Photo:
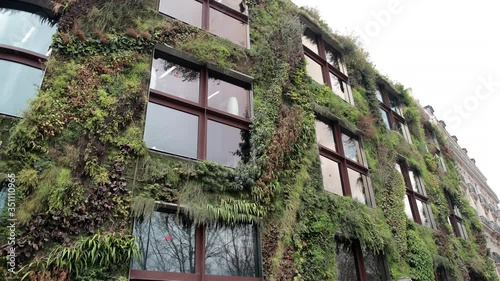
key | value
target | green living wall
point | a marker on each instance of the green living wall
(83, 171)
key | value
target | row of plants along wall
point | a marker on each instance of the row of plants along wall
(83, 171)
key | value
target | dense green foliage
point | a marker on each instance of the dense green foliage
(83, 169)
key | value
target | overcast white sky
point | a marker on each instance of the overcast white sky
(446, 51)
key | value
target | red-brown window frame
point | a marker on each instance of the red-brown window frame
(385, 105)
(200, 109)
(413, 195)
(454, 219)
(205, 14)
(199, 274)
(326, 68)
(340, 158)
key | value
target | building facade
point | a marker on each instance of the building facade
(476, 190)
(216, 140)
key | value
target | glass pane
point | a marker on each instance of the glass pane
(314, 70)
(171, 131)
(223, 143)
(408, 210)
(18, 84)
(346, 263)
(456, 211)
(378, 94)
(352, 148)
(228, 97)
(324, 135)
(176, 80)
(398, 168)
(373, 267)
(227, 27)
(3, 197)
(416, 183)
(333, 57)
(357, 183)
(425, 214)
(385, 118)
(309, 40)
(237, 5)
(231, 251)
(463, 230)
(338, 87)
(331, 176)
(188, 11)
(395, 104)
(165, 244)
(25, 30)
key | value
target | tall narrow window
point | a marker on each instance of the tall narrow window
(455, 219)
(392, 112)
(342, 162)
(417, 205)
(224, 18)
(355, 264)
(197, 113)
(325, 64)
(25, 39)
(172, 248)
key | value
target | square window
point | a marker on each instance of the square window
(172, 131)
(357, 181)
(324, 135)
(309, 40)
(333, 57)
(228, 27)
(331, 176)
(378, 94)
(338, 87)
(231, 251)
(223, 143)
(188, 11)
(228, 97)
(314, 70)
(352, 148)
(425, 213)
(165, 243)
(385, 118)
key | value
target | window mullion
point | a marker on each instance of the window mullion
(199, 254)
(202, 132)
(205, 19)
(360, 265)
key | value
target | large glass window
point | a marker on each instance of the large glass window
(342, 166)
(225, 18)
(417, 206)
(172, 247)
(196, 113)
(392, 112)
(353, 264)
(25, 40)
(325, 65)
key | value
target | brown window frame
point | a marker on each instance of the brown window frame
(455, 219)
(212, 4)
(199, 274)
(201, 109)
(327, 68)
(393, 116)
(344, 162)
(413, 195)
(356, 250)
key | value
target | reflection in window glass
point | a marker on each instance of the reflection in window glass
(171, 131)
(231, 251)
(228, 27)
(385, 118)
(176, 80)
(333, 57)
(346, 263)
(228, 97)
(373, 267)
(379, 96)
(324, 135)
(309, 40)
(314, 70)
(223, 143)
(18, 84)
(425, 215)
(408, 211)
(25, 30)
(338, 87)
(357, 183)
(416, 183)
(331, 176)
(165, 244)
(237, 5)
(188, 11)
(351, 148)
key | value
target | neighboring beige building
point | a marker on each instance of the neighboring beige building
(475, 188)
